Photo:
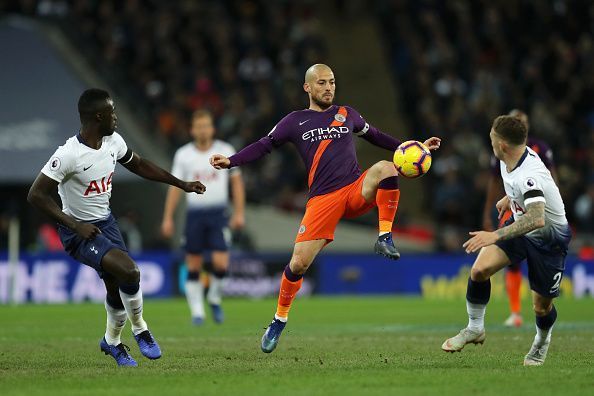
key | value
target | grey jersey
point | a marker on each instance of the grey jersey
(529, 182)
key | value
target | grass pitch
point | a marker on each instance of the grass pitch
(331, 346)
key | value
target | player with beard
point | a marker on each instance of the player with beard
(82, 170)
(323, 136)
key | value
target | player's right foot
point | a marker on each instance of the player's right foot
(197, 320)
(217, 313)
(385, 247)
(147, 345)
(514, 320)
(272, 334)
(537, 354)
(465, 336)
(118, 352)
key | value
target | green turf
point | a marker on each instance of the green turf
(332, 346)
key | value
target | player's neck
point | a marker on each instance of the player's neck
(514, 157)
(203, 145)
(315, 107)
(91, 138)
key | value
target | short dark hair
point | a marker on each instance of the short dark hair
(510, 129)
(91, 102)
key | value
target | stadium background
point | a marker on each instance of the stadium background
(412, 68)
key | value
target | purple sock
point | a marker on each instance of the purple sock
(290, 275)
(389, 183)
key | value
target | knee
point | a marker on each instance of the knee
(542, 309)
(479, 274)
(387, 169)
(299, 264)
(131, 273)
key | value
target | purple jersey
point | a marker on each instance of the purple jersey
(324, 139)
(538, 146)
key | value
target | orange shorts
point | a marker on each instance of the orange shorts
(323, 212)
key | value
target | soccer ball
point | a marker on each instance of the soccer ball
(412, 159)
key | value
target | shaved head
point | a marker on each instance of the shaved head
(316, 70)
(320, 86)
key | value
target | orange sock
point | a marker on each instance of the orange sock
(513, 282)
(286, 295)
(387, 203)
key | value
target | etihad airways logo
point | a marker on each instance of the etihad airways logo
(313, 135)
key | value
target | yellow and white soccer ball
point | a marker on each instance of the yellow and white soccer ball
(412, 159)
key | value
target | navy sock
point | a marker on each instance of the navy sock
(290, 275)
(193, 275)
(547, 321)
(478, 292)
(389, 183)
(219, 273)
(130, 288)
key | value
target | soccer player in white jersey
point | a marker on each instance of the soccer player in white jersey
(538, 232)
(82, 170)
(207, 223)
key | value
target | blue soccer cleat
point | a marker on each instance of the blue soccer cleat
(217, 313)
(385, 247)
(147, 345)
(272, 334)
(119, 353)
(197, 320)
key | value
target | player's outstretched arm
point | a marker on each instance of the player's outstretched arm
(219, 161)
(533, 219)
(40, 197)
(145, 168)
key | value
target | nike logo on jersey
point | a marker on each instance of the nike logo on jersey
(87, 167)
(303, 122)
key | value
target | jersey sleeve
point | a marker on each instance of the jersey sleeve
(370, 133)
(123, 153)
(60, 165)
(531, 188)
(229, 151)
(177, 168)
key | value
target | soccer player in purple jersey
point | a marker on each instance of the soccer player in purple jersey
(323, 136)
(513, 273)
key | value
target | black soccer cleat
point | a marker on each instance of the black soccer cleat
(385, 247)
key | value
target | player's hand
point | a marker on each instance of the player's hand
(86, 230)
(479, 240)
(502, 206)
(432, 143)
(167, 227)
(219, 161)
(195, 187)
(237, 221)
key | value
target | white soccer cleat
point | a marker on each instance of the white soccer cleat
(514, 320)
(465, 336)
(537, 354)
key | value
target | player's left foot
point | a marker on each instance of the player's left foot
(272, 334)
(465, 336)
(385, 247)
(118, 352)
(514, 320)
(537, 354)
(147, 345)
(217, 313)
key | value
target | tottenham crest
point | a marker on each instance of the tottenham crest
(339, 117)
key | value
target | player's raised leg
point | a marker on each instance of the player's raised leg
(292, 278)
(111, 343)
(381, 185)
(489, 260)
(194, 288)
(220, 262)
(117, 263)
(546, 315)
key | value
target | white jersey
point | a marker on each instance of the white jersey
(85, 175)
(529, 182)
(190, 163)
